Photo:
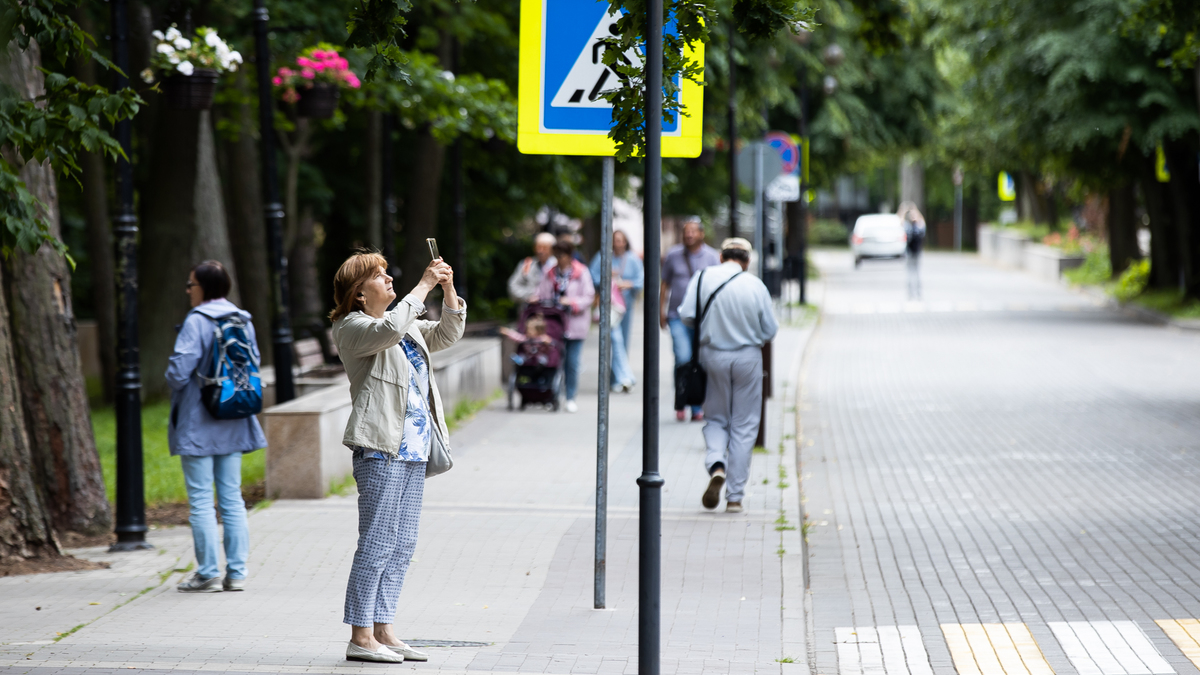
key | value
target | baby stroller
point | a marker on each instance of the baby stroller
(538, 376)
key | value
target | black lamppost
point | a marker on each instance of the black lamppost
(650, 482)
(733, 172)
(281, 325)
(131, 505)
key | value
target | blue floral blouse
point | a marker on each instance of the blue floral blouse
(418, 420)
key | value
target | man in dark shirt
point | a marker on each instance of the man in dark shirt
(679, 265)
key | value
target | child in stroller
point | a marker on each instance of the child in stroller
(538, 376)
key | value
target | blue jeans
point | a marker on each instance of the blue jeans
(622, 373)
(627, 320)
(571, 365)
(681, 343)
(199, 473)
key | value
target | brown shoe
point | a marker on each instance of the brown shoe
(733, 507)
(712, 495)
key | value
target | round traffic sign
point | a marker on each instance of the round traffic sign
(788, 152)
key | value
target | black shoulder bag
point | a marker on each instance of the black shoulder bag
(691, 382)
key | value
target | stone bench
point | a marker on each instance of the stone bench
(1047, 262)
(305, 455)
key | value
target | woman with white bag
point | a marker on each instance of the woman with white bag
(397, 431)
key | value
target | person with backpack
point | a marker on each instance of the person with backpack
(914, 233)
(215, 393)
(730, 312)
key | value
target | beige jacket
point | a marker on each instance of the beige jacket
(379, 370)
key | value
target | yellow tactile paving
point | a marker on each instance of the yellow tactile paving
(994, 649)
(1185, 633)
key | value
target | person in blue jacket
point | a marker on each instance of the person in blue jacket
(210, 449)
(628, 273)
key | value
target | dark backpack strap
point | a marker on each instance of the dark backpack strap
(701, 314)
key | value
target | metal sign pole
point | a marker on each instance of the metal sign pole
(606, 237)
(758, 206)
(650, 482)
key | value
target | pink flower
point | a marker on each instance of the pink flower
(318, 54)
(290, 96)
(308, 73)
(318, 67)
(286, 72)
(344, 64)
(304, 61)
(277, 81)
(352, 80)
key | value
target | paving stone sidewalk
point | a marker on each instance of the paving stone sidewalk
(999, 492)
(502, 572)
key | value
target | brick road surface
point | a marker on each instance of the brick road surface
(504, 561)
(999, 478)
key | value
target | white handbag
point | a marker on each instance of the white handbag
(439, 461)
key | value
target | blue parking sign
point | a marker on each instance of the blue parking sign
(563, 77)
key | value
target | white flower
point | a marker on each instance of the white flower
(158, 35)
(449, 76)
(235, 57)
(231, 67)
(182, 43)
(173, 34)
(148, 76)
(212, 40)
(173, 57)
(164, 48)
(185, 67)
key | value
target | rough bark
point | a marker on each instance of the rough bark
(374, 176)
(1185, 202)
(302, 275)
(1122, 228)
(1164, 260)
(99, 239)
(46, 354)
(421, 213)
(183, 222)
(243, 198)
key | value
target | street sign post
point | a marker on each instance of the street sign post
(560, 110)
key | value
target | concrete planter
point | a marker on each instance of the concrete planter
(1010, 249)
(987, 242)
(1047, 262)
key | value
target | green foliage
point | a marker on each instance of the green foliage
(1095, 270)
(1170, 302)
(824, 232)
(378, 25)
(1132, 281)
(68, 118)
(163, 473)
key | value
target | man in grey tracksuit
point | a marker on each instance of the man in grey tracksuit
(739, 322)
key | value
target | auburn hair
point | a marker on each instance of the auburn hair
(356, 271)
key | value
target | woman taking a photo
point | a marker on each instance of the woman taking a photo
(210, 449)
(397, 414)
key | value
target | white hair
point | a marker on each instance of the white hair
(545, 238)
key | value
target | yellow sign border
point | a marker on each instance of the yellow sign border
(532, 141)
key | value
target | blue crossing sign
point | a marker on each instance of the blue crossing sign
(562, 77)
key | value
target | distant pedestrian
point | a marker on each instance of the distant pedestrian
(523, 283)
(914, 232)
(397, 416)
(739, 321)
(210, 449)
(569, 285)
(629, 276)
(679, 265)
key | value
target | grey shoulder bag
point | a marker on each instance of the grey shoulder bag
(440, 460)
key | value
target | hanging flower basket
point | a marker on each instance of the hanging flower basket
(314, 81)
(318, 102)
(191, 92)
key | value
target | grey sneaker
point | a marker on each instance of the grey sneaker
(198, 584)
(231, 584)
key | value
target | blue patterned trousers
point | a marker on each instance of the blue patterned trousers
(389, 513)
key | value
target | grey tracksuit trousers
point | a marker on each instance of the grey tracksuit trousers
(732, 412)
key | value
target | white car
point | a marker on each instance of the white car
(878, 235)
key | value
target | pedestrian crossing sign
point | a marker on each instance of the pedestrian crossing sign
(562, 76)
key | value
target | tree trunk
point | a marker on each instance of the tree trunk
(1122, 228)
(99, 238)
(183, 223)
(1185, 202)
(421, 217)
(25, 525)
(302, 275)
(912, 182)
(46, 353)
(247, 229)
(1164, 260)
(372, 157)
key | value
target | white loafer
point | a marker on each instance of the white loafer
(382, 655)
(408, 653)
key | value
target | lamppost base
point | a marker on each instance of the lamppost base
(131, 541)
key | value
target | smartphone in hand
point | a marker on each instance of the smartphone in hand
(433, 249)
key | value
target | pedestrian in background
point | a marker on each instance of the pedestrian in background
(628, 277)
(679, 265)
(914, 232)
(397, 415)
(738, 322)
(569, 285)
(210, 449)
(523, 283)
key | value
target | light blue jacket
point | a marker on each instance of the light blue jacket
(192, 430)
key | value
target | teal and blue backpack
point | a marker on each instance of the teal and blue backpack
(232, 389)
